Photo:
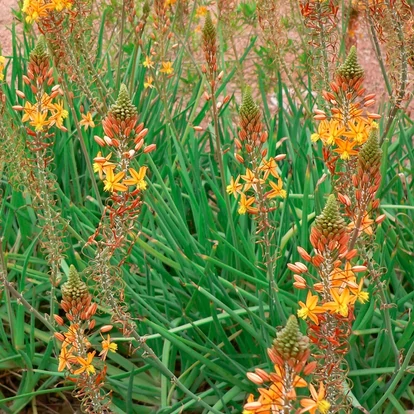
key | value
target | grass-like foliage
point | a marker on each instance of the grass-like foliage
(205, 208)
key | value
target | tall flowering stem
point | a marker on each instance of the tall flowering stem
(262, 182)
(78, 357)
(122, 143)
(342, 233)
(321, 20)
(213, 78)
(290, 357)
(43, 115)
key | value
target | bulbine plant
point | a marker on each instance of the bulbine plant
(206, 208)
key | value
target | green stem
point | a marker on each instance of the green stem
(121, 44)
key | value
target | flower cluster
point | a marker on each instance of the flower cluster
(262, 181)
(343, 133)
(77, 357)
(124, 138)
(337, 235)
(36, 10)
(290, 355)
(121, 129)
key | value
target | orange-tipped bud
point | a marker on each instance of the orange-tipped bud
(108, 140)
(344, 199)
(262, 374)
(141, 135)
(369, 103)
(264, 153)
(369, 97)
(20, 94)
(280, 157)
(59, 320)
(302, 267)
(334, 87)
(319, 117)
(92, 323)
(358, 268)
(274, 357)
(18, 107)
(318, 287)
(252, 406)
(351, 254)
(60, 337)
(300, 282)
(226, 99)
(293, 268)
(375, 203)
(150, 148)
(239, 158)
(206, 96)
(304, 254)
(139, 145)
(380, 219)
(373, 115)
(317, 260)
(198, 128)
(310, 367)
(106, 328)
(256, 379)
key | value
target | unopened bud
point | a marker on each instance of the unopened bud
(106, 328)
(60, 337)
(59, 320)
(254, 378)
(150, 148)
(20, 94)
(198, 128)
(380, 219)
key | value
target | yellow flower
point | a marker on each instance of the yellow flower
(334, 132)
(107, 346)
(322, 133)
(310, 309)
(86, 364)
(35, 10)
(148, 63)
(342, 278)
(87, 121)
(317, 402)
(59, 114)
(359, 294)
(29, 111)
(234, 187)
(39, 120)
(245, 205)
(148, 82)
(59, 5)
(357, 131)
(345, 148)
(101, 164)
(201, 11)
(340, 302)
(2, 60)
(112, 182)
(250, 179)
(167, 68)
(138, 178)
(277, 190)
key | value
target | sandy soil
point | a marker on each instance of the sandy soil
(6, 18)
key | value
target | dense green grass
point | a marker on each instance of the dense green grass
(202, 302)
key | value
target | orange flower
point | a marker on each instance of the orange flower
(112, 182)
(334, 132)
(366, 225)
(86, 364)
(345, 148)
(317, 402)
(39, 120)
(87, 121)
(107, 346)
(102, 163)
(310, 309)
(234, 187)
(148, 63)
(359, 294)
(340, 302)
(358, 131)
(277, 190)
(323, 132)
(269, 167)
(138, 178)
(245, 205)
(341, 278)
(65, 358)
(167, 68)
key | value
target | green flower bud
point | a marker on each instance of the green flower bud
(123, 108)
(350, 69)
(330, 222)
(74, 288)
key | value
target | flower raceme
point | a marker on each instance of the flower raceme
(36, 10)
